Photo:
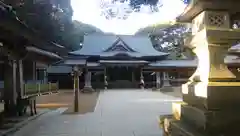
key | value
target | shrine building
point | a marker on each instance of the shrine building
(123, 61)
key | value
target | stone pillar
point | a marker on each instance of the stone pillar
(88, 79)
(166, 82)
(158, 80)
(211, 97)
(20, 81)
(88, 85)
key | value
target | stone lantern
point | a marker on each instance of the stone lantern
(211, 97)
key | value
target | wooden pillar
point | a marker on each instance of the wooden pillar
(20, 89)
(133, 76)
(20, 80)
(76, 74)
(142, 83)
(105, 78)
(10, 87)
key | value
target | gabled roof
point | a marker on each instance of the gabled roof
(106, 45)
(119, 45)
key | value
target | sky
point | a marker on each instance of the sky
(90, 12)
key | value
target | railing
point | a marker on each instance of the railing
(36, 89)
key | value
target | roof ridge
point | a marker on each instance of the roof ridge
(118, 35)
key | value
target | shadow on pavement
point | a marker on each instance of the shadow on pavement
(175, 92)
(87, 101)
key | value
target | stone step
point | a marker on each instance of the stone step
(210, 121)
(178, 128)
(207, 121)
(7, 126)
(182, 128)
(12, 120)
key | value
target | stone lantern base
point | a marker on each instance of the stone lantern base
(214, 112)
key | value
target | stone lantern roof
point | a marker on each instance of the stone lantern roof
(197, 6)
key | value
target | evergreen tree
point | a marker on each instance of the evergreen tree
(169, 37)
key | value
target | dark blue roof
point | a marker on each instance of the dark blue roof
(105, 45)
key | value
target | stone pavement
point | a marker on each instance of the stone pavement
(118, 113)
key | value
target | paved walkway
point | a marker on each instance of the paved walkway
(118, 113)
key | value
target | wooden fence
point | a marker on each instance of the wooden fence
(37, 89)
(32, 89)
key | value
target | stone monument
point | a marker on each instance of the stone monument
(212, 95)
(88, 83)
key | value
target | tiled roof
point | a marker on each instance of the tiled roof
(93, 64)
(164, 63)
(191, 63)
(75, 62)
(175, 63)
(96, 44)
(123, 61)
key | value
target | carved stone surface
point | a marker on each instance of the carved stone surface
(211, 45)
(211, 39)
(211, 19)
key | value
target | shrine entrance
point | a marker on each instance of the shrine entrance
(123, 77)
